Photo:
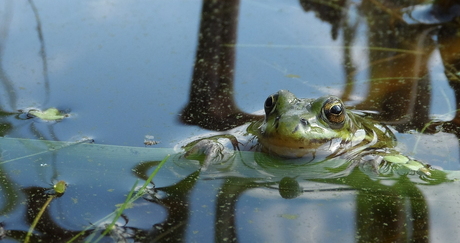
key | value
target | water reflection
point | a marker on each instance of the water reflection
(43, 56)
(448, 39)
(177, 202)
(399, 86)
(397, 213)
(9, 109)
(211, 103)
(387, 209)
(399, 89)
(51, 231)
(4, 77)
(6, 82)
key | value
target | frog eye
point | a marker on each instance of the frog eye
(334, 112)
(270, 103)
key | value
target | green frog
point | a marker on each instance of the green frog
(312, 130)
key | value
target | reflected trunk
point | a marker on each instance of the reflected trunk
(398, 55)
(211, 103)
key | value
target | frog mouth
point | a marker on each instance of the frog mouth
(295, 148)
(294, 144)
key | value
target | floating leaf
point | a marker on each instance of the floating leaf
(51, 114)
(414, 165)
(397, 159)
(292, 76)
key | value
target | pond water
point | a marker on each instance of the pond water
(166, 71)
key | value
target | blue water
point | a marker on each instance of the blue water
(122, 70)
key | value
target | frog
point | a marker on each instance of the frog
(310, 129)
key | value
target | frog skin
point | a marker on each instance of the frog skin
(296, 127)
(307, 128)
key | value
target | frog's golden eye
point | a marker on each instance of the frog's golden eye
(270, 103)
(334, 112)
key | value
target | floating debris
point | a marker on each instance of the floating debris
(148, 140)
(51, 114)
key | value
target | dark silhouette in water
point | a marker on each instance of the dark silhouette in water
(212, 104)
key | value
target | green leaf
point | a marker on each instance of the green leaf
(397, 159)
(51, 114)
(414, 165)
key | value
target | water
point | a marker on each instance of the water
(123, 72)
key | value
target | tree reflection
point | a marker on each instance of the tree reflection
(400, 85)
(449, 39)
(177, 203)
(211, 103)
(395, 213)
(388, 209)
(399, 90)
(50, 230)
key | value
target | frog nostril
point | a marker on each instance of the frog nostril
(276, 122)
(303, 121)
